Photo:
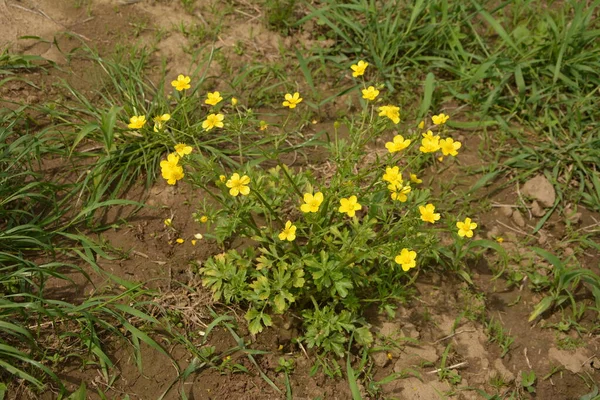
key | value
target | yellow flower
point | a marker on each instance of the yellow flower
(499, 239)
(292, 101)
(289, 232)
(234, 101)
(392, 112)
(158, 121)
(137, 122)
(198, 236)
(398, 143)
(399, 192)
(222, 178)
(168, 222)
(430, 143)
(421, 124)
(262, 125)
(180, 240)
(183, 149)
(370, 93)
(312, 202)
(213, 120)
(349, 206)
(413, 178)
(213, 98)
(193, 242)
(393, 175)
(428, 213)
(204, 219)
(171, 170)
(237, 185)
(440, 119)
(182, 83)
(449, 147)
(406, 259)
(466, 228)
(359, 68)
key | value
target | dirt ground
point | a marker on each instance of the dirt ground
(444, 312)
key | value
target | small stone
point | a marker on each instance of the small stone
(543, 237)
(540, 189)
(493, 233)
(380, 359)
(575, 218)
(499, 367)
(537, 210)
(518, 218)
(506, 211)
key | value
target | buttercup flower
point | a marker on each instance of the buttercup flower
(398, 143)
(428, 213)
(413, 178)
(370, 93)
(137, 122)
(204, 219)
(466, 228)
(159, 121)
(393, 175)
(359, 68)
(289, 232)
(292, 101)
(213, 98)
(430, 143)
(234, 101)
(168, 222)
(262, 125)
(392, 112)
(407, 259)
(171, 170)
(213, 120)
(222, 178)
(421, 124)
(399, 192)
(237, 185)
(440, 119)
(180, 240)
(349, 206)
(449, 147)
(181, 83)
(311, 202)
(183, 149)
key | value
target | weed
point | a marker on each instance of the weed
(528, 380)
(497, 334)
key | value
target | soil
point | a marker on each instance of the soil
(445, 316)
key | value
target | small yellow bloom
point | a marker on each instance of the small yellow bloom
(213, 98)
(311, 202)
(137, 122)
(428, 213)
(180, 240)
(499, 239)
(389, 355)
(234, 101)
(430, 143)
(359, 68)
(398, 143)
(399, 192)
(168, 222)
(222, 178)
(171, 170)
(237, 185)
(292, 101)
(413, 178)
(440, 119)
(289, 232)
(370, 93)
(262, 125)
(182, 83)
(204, 219)
(392, 112)
(212, 121)
(193, 241)
(466, 228)
(449, 147)
(183, 149)
(160, 120)
(393, 175)
(349, 206)
(407, 259)
(421, 124)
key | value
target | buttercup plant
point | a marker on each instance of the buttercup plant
(325, 247)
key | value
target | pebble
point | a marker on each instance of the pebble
(518, 218)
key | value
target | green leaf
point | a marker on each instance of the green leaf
(427, 95)
(541, 307)
(79, 394)
(342, 286)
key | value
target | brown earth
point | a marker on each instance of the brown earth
(445, 311)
